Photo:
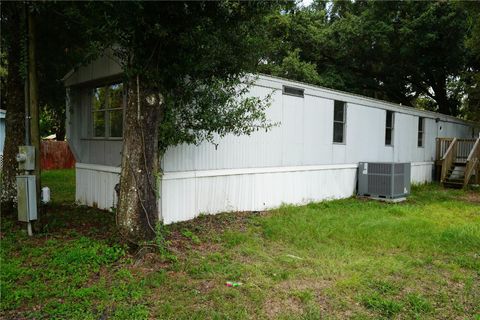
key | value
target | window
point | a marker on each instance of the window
(339, 121)
(107, 111)
(389, 128)
(421, 123)
(291, 91)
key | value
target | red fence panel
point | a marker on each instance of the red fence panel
(56, 155)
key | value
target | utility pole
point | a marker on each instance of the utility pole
(33, 96)
(28, 184)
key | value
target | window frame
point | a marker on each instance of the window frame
(343, 122)
(391, 128)
(107, 110)
(421, 131)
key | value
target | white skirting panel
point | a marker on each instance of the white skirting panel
(421, 172)
(95, 185)
(185, 195)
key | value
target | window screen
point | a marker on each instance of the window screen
(339, 121)
(389, 128)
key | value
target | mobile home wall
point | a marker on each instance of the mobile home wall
(295, 162)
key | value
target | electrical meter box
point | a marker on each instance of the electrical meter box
(27, 198)
(26, 158)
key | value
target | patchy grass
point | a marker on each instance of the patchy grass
(61, 183)
(341, 259)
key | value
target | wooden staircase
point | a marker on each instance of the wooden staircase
(460, 161)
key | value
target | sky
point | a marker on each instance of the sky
(305, 3)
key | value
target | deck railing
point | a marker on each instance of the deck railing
(473, 162)
(464, 146)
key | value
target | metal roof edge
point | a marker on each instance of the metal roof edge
(382, 103)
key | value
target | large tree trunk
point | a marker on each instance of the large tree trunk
(445, 104)
(14, 104)
(137, 206)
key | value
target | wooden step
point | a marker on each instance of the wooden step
(454, 185)
(455, 180)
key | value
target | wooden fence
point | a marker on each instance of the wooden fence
(56, 155)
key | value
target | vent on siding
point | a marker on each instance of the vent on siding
(292, 91)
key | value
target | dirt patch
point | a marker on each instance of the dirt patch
(277, 306)
(472, 197)
(286, 297)
(205, 229)
(218, 223)
(304, 284)
(205, 286)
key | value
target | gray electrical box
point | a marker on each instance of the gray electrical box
(384, 180)
(26, 158)
(26, 198)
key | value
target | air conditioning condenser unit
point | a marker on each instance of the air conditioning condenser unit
(384, 180)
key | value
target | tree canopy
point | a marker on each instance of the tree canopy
(194, 53)
(185, 72)
(421, 54)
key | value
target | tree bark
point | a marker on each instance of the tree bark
(137, 211)
(14, 104)
(445, 104)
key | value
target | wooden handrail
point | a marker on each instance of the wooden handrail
(448, 159)
(450, 148)
(474, 150)
(472, 162)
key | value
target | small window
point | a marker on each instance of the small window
(389, 128)
(107, 111)
(292, 91)
(421, 123)
(339, 121)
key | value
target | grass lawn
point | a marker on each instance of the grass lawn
(340, 259)
(62, 184)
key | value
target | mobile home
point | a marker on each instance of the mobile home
(312, 155)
